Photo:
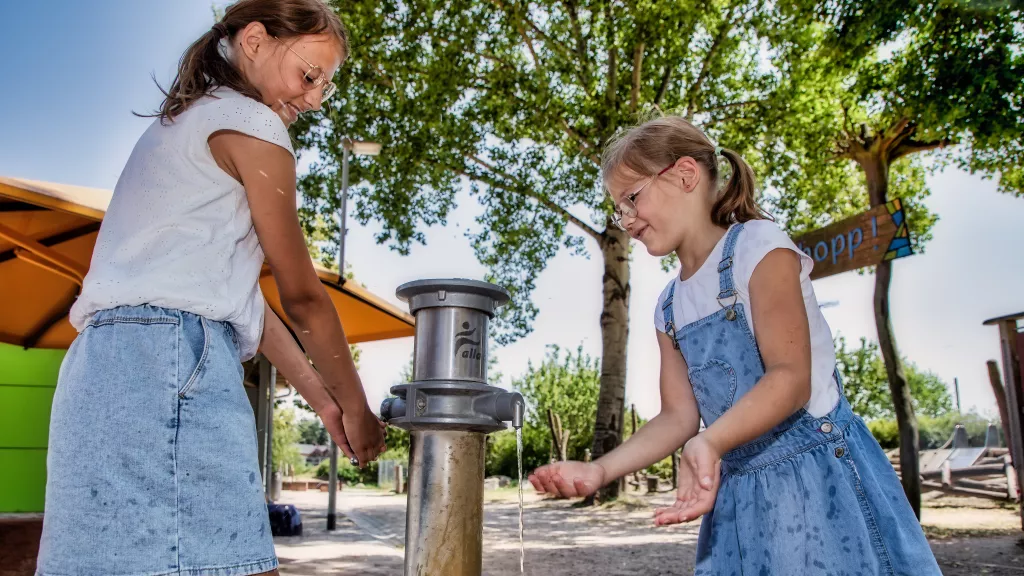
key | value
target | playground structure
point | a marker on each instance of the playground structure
(957, 468)
(1010, 392)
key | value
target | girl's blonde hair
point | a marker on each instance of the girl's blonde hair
(649, 148)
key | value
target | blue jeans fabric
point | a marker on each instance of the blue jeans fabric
(810, 496)
(152, 465)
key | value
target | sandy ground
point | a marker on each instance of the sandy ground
(970, 537)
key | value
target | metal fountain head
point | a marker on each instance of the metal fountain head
(449, 389)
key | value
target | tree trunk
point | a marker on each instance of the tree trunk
(614, 334)
(876, 169)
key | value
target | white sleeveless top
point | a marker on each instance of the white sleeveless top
(697, 297)
(178, 232)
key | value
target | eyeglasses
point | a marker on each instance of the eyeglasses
(626, 206)
(314, 77)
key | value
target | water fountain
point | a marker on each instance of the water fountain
(449, 409)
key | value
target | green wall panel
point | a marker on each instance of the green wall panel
(27, 382)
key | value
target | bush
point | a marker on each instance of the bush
(501, 458)
(934, 432)
(867, 385)
(302, 469)
(348, 473)
(282, 445)
(885, 432)
(500, 455)
(568, 384)
(662, 469)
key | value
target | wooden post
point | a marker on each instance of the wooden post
(652, 484)
(675, 468)
(632, 409)
(559, 437)
(399, 479)
(1011, 478)
(261, 417)
(1010, 345)
(999, 391)
(1011, 369)
(271, 393)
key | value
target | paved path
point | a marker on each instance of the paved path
(562, 540)
(351, 549)
(559, 539)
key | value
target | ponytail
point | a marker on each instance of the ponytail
(648, 148)
(204, 67)
(737, 201)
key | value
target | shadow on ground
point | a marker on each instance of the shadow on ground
(566, 541)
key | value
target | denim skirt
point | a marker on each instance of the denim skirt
(819, 497)
(152, 465)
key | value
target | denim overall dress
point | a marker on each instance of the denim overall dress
(811, 496)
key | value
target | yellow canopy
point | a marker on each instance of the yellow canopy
(47, 234)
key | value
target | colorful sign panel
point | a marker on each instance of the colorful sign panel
(863, 240)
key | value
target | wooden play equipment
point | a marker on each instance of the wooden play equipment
(957, 468)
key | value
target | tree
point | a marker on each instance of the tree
(286, 435)
(866, 384)
(938, 76)
(312, 431)
(566, 384)
(515, 101)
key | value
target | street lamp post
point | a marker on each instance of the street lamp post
(362, 149)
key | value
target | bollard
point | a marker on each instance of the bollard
(448, 409)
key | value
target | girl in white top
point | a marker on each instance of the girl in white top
(788, 479)
(149, 413)
(696, 297)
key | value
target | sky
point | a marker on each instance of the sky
(74, 71)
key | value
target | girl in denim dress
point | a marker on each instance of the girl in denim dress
(788, 479)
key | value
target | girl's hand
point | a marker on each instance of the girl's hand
(699, 477)
(365, 434)
(331, 416)
(568, 479)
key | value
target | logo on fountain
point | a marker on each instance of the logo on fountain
(465, 339)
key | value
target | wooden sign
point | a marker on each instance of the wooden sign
(863, 240)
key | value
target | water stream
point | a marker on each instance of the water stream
(519, 454)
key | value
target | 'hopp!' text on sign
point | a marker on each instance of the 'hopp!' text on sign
(862, 240)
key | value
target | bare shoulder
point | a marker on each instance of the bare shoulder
(245, 157)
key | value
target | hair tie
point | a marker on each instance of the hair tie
(718, 150)
(220, 29)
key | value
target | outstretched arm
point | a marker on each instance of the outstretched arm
(284, 353)
(267, 172)
(676, 423)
